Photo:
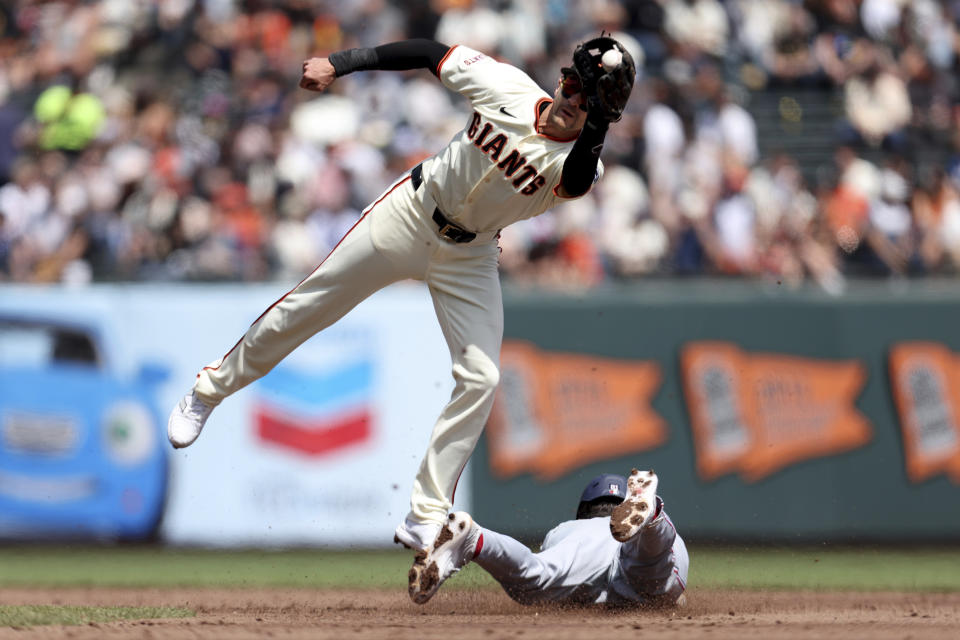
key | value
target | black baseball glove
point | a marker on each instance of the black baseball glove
(605, 91)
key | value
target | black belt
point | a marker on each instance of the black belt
(445, 228)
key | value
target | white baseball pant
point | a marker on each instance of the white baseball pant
(395, 239)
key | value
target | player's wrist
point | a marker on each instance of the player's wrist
(350, 60)
(597, 122)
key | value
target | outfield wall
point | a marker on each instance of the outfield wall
(769, 414)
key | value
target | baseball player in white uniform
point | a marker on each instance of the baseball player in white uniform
(520, 153)
(622, 549)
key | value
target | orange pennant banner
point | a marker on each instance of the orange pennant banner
(555, 412)
(758, 413)
(925, 377)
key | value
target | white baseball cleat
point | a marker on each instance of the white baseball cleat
(416, 535)
(187, 420)
(639, 507)
(456, 545)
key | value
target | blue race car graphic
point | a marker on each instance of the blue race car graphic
(81, 451)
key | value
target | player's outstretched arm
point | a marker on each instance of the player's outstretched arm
(319, 73)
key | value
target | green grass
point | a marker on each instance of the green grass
(158, 567)
(867, 569)
(845, 569)
(35, 615)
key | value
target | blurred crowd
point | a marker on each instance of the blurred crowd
(167, 140)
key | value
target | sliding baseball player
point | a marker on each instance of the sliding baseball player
(621, 550)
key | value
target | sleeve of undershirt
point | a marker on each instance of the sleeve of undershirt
(418, 53)
(582, 167)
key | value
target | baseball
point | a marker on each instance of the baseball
(611, 59)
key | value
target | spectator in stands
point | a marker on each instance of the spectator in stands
(844, 196)
(840, 47)
(731, 237)
(877, 106)
(794, 239)
(644, 20)
(936, 208)
(891, 233)
(791, 59)
(634, 242)
(696, 27)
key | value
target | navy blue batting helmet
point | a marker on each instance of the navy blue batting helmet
(604, 486)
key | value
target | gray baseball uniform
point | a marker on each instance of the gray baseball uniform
(581, 563)
(438, 224)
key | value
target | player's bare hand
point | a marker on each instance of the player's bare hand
(318, 74)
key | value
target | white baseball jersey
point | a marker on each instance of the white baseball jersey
(499, 169)
(580, 562)
(496, 171)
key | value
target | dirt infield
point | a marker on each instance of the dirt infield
(468, 615)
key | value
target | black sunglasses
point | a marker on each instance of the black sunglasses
(570, 84)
